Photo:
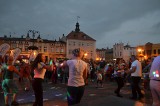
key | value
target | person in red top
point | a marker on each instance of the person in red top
(109, 72)
(26, 76)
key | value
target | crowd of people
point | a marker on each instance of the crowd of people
(77, 72)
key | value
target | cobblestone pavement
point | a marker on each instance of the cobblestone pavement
(55, 95)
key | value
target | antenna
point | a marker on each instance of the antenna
(78, 18)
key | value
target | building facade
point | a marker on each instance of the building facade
(78, 39)
(101, 54)
(123, 51)
(49, 48)
(109, 55)
(155, 50)
(148, 51)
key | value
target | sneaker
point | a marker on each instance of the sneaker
(14, 103)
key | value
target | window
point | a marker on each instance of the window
(74, 43)
(52, 49)
(45, 49)
(62, 50)
(57, 50)
(82, 44)
(40, 48)
(26, 48)
(20, 42)
(14, 46)
(158, 51)
(120, 54)
(154, 52)
(70, 51)
(20, 48)
(148, 52)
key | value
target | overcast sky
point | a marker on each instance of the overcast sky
(107, 21)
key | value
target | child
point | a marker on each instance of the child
(99, 79)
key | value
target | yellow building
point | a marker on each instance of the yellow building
(148, 50)
(155, 49)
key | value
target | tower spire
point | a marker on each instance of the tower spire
(77, 25)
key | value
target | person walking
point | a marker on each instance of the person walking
(155, 81)
(8, 83)
(39, 71)
(136, 74)
(77, 76)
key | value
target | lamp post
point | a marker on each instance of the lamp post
(33, 35)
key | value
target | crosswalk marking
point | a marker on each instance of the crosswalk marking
(52, 87)
(58, 94)
(45, 99)
(20, 100)
(92, 94)
(49, 82)
(125, 92)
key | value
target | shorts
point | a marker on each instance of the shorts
(8, 84)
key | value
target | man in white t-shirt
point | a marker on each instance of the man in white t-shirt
(155, 81)
(136, 74)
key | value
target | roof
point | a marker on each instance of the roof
(128, 46)
(31, 40)
(79, 36)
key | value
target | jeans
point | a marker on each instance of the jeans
(120, 83)
(74, 94)
(135, 81)
(38, 91)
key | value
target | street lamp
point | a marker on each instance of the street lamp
(33, 35)
(85, 54)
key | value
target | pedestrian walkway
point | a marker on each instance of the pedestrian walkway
(109, 100)
(55, 95)
(112, 101)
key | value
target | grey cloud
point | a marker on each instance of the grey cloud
(103, 20)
